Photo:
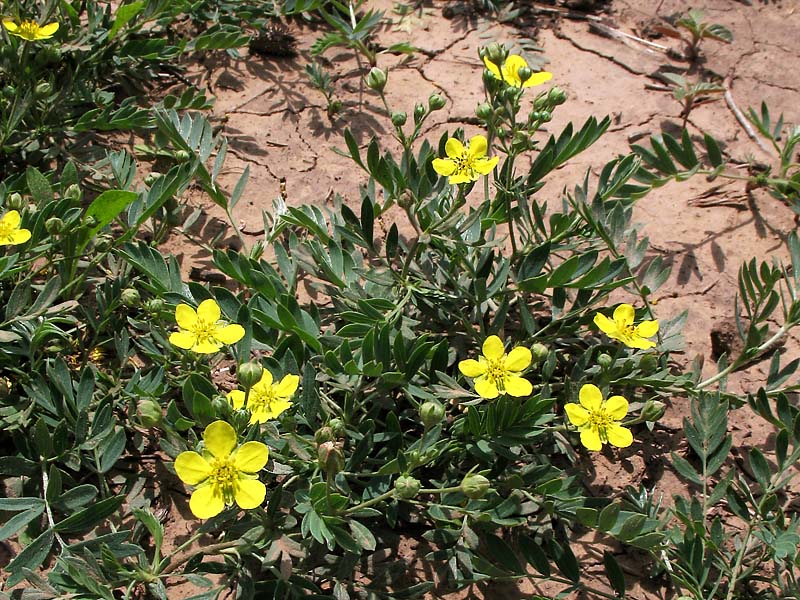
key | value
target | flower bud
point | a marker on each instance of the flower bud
(524, 73)
(152, 177)
(653, 410)
(496, 53)
(475, 486)
(249, 374)
(436, 102)
(43, 89)
(431, 413)
(331, 457)
(182, 155)
(648, 363)
(502, 133)
(9, 91)
(540, 103)
(546, 116)
(15, 202)
(556, 96)
(419, 112)
(406, 487)
(90, 221)
(376, 79)
(54, 226)
(484, 111)
(73, 192)
(103, 242)
(222, 408)
(399, 118)
(324, 434)
(338, 428)
(605, 361)
(149, 413)
(154, 305)
(539, 352)
(130, 297)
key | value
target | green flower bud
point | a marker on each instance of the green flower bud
(103, 242)
(324, 434)
(222, 408)
(9, 91)
(496, 53)
(484, 111)
(376, 79)
(249, 374)
(502, 133)
(182, 155)
(605, 361)
(524, 74)
(539, 352)
(419, 112)
(73, 192)
(130, 297)
(54, 226)
(475, 486)
(436, 102)
(151, 178)
(330, 457)
(406, 487)
(149, 412)
(556, 96)
(154, 305)
(338, 428)
(540, 103)
(399, 118)
(43, 89)
(431, 413)
(653, 410)
(648, 363)
(90, 221)
(15, 202)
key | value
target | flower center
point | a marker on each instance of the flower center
(629, 330)
(464, 165)
(224, 477)
(261, 399)
(496, 373)
(204, 330)
(29, 29)
(600, 420)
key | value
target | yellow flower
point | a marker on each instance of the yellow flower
(622, 328)
(202, 331)
(10, 232)
(266, 400)
(224, 473)
(463, 165)
(509, 72)
(30, 30)
(496, 372)
(596, 419)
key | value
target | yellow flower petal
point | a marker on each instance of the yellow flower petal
(472, 368)
(230, 334)
(477, 147)
(10, 220)
(517, 386)
(624, 315)
(484, 166)
(647, 328)
(250, 493)
(619, 436)
(209, 311)
(537, 79)
(486, 389)
(518, 359)
(606, 325)
(460, 177)
(251, 457)
(192, 468)
(20, 236)
(182, 339)
(639, 343)
(47, 31)
(236, 398)
(616, 407)
(591, 397)
(185, 317)
(10, 25)
(576, 413)
(266, 380)
(287, 386)
(206, 502)
(444, 166)
(454, 148)
(493, 347)
(206, 347)
(590, 438)
(492, 67)
(220, 439)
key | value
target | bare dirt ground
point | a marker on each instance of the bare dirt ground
(276, 124)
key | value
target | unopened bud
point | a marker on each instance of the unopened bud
(539, 352)
(605, 361)
(103, 242)
(15, 202)
(73, 192)
(152, 177)
(154, 305)
(249, 374)
(556, 96)
(149, 412)
(399, 118)
(484, 111)
(43, 89)
(338, 428)
(431, 413)
(419, 112)
(524, 73)
(54, 226)
(222, 408)
(653, 410)
(182, 155)
(324, 434)
(475, 486)
(648, 363)
(436, 102)
(130, 297)
(331, 457)
(376, 79)
(90, 221)
(406, 487)
(496, 53)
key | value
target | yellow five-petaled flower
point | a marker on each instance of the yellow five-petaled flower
(463, 165)
(266, 400)
(10, 232)
(202, 331)
(496, 372)
(30, 30)
(224, 473)
(509, 72)
(597, 419)
(622, 328)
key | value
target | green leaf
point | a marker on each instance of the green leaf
(111, 448)
(500, 553)
(30, 558)
(615, 576)
(631, 527)
(18, 521)
(153, 525)
(123, 16)
(535, 555)
(90, 516)
(38, 186)
(760, 467)
(107, 207)
(608, 517)
(362, 536)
